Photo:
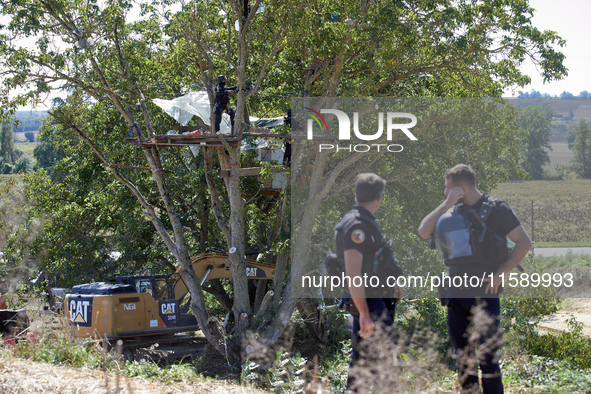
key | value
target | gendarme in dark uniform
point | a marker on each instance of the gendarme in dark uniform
(357, 239)
(461, 301)
(476, 259)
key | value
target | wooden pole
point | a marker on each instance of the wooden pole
(532, 221)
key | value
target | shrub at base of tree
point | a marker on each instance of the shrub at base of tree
(23, 164)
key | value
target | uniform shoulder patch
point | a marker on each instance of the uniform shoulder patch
(358, 236)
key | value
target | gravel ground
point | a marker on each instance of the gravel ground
(578, 308)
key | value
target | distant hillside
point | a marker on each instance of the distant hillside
(567, 112)
(28, 121)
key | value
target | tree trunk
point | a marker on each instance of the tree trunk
(204, 220)
(261, 290)
(308, 308)
(217, 290)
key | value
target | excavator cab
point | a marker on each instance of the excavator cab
(161, 287)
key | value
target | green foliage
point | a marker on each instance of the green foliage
(23, 164)
(89, 214)
(6, 168)
(530, 373)
(570, 137)
(561, 173)
(167, 374)
(336, 365)
(571, 345)
(286, 373)
(516, 312)
(7, 155)
(519, 321)
(17, 154)
(16, 230)
(30, 136)
(47, 153)
(337, 332)
(536, 120)
(249, 372)
(372, 40)
(582, 149)
(531, 307)
(332, 356)
(424, 314)
(570, 262)
(61, 349)
(84, 224)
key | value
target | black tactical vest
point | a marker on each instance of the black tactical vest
(462, 236)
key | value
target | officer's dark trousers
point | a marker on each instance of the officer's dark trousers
(459, 318)
(380, 315)
(218, 117)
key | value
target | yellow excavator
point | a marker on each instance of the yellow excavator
(145, 309)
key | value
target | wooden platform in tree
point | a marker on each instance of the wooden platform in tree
(176, 140)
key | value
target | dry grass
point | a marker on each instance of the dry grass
(22, 376)
(391, 362)
(404, 365)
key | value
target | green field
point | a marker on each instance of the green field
(561, 209)
(560, 154)
(26, 147)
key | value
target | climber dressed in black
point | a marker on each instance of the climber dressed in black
(222, 100)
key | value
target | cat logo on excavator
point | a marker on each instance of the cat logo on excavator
(81, 311)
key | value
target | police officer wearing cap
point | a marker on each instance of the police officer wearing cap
(463, 196)
(357, 241)
(222, 99)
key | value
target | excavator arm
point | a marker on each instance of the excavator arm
(214, 266)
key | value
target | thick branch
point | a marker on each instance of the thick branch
(215, 195)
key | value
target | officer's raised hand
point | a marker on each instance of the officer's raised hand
(455, 195)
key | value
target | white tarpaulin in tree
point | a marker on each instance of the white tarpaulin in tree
(183, 108)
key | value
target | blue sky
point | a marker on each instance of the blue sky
(571, 19)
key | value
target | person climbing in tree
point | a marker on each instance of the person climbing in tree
(287, 144)
(222, 99)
